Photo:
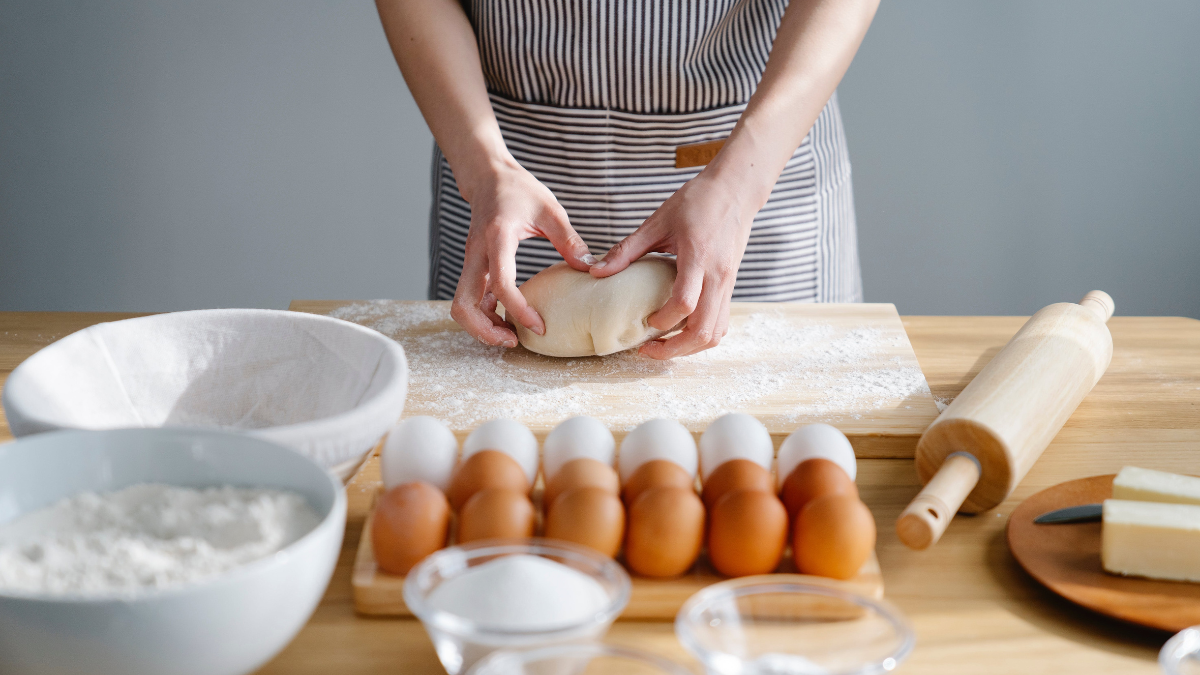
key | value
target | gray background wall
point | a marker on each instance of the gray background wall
(161, 155)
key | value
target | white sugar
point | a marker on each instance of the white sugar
(764, 359)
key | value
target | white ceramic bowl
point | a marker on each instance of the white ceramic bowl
(228, 625)
(326, 388)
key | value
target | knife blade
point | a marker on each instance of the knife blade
(1085, 513)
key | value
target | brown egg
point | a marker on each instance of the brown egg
(496, 513)
(833, 536)
(655, 473)
(485, 469)
(665, 531)
(590, 516)
(747, 532)
(410, 522)
(581, 472)
(814, 478)
(736, 474)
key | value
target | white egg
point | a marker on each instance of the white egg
(815, 440)
(510, 437)
(735, 436)
(419, 449)
(657, 439)
(577, 437)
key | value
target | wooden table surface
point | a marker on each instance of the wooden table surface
(974, 610)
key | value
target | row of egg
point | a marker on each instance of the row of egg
(648, 503)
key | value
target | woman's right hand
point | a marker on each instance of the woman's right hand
(507, 205)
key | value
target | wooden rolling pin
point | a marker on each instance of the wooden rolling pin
(982, 445)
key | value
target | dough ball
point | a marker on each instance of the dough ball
(815, 440)
(735, 436)
(508, 436)
(586, 316)
(419, 449)
(577, 437)
(657, 439)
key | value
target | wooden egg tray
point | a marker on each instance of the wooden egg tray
(377, 593)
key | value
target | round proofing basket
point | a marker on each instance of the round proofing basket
(327, 388)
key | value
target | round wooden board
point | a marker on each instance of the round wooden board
(1066, 559)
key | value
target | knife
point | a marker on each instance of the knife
(1084, 513)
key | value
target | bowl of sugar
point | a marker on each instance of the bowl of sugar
(479, 597)
(159, 551)
(329, 389)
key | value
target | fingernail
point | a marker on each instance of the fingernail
(600, 265)
(540, 330)
(509, 343)
(587, 259)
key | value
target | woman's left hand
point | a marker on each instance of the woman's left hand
(706, 224)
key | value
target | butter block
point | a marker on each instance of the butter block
(1148, 485)
(1151, 539)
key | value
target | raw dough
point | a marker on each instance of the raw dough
(586, 316)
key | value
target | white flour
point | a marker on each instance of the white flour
(465, 382)
(146, 537)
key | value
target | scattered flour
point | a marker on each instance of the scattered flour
(146, 537)
(763, 362)
(521, 592)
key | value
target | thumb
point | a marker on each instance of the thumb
(624, 252)
(556, 227)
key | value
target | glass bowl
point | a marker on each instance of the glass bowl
(1181, 654)
(460, 642)
(786, 623)
(577, 659)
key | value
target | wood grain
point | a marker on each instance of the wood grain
(973, 607)
(1066, 559)
(622, 391)
(377, 593)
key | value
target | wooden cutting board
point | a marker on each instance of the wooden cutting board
(377, 593)
(788, 364)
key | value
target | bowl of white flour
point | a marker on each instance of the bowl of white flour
(327, 388)
(165, 551)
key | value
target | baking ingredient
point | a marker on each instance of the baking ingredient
(814, 478)
(815, 440)
(656, 473)
(1156, 540)
(580, 436)
(496, 513)
(512, 438)
(578, 473)
(735, 436)
(833, 536)
(657, 439)
(586, 316)
(1147, 485)
(736, 474)
(146, 537)
(521, 592)
(589, 516)
(665, 532)
(747, 532)
(485, 469)
(420, 448)
(411, 521)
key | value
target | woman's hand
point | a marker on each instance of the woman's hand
(507, 205)
(706, 224)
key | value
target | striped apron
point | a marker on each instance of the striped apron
(594, 96)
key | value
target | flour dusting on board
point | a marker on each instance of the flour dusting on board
(766, 356)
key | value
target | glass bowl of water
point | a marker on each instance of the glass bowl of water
(577, 659)
(479, 597)
(798, 625)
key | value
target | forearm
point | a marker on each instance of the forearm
(435, 48)
(816, 42)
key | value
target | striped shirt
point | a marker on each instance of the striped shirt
(594, 97)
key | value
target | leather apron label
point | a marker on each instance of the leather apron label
(697, 154)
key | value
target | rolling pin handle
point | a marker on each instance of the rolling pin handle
(926, 518)
(1101, 303)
